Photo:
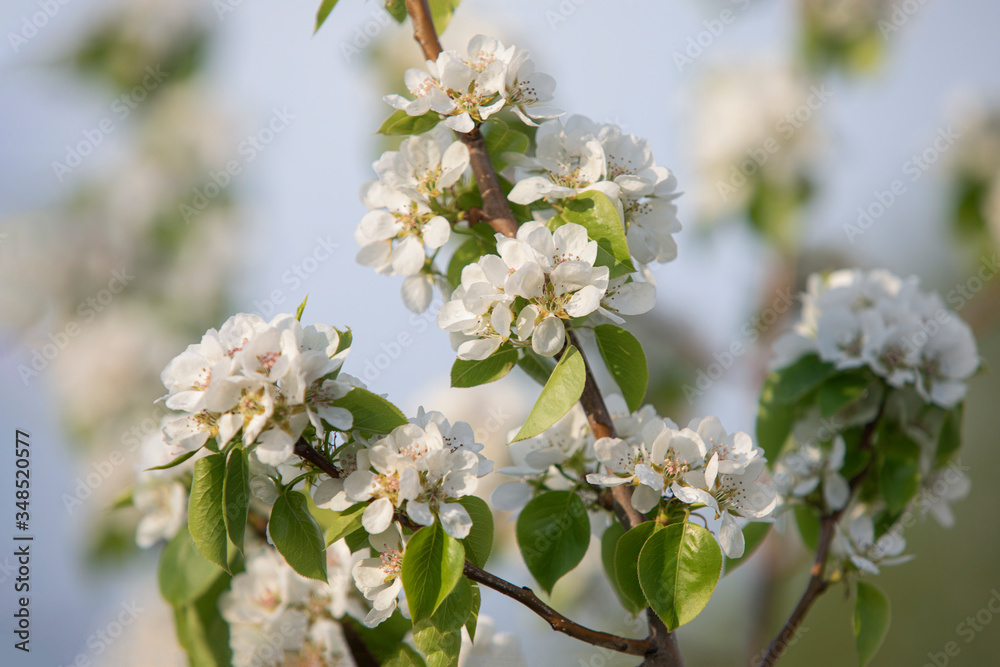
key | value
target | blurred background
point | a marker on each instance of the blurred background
(806, 134)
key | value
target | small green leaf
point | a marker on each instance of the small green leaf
(626, 361)
(344, 523)
(679, 567)
(183, 573)
(441, 11)
(627, 562)
(553, 532)
(899, 475)
(455, 609)
(236, 496)
(296, 535)
(396, 9)
(795, 381)
(560, 393)
(479, 543)
(472, 373)
(371, 412)
(808, 525)
(871, 621)
(439, 648)
(176, 462)
(473, 621)
(205, 509)
(609, 545)
(501, 139)
(599, 216)
(469, 253)
(842, 390)
(201, 630)
(401, 123)
(346, 338)
(432, 566)
(754, 535)
(404, 656)
(324, 11)
(537, 367)
(950, 436)
(301, 309)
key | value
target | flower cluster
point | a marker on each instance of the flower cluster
(466, 89)
(422, 468)
(404, 225)
(275, 615)
(701, 465)
(873, 319)
(577, 155)
(537, 281)
(267, 379)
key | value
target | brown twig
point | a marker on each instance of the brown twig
(817, 575)
(496, 210)
(307, 453)
(557, 621)
(667, 651)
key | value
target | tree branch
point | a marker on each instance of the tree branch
(817, 580)
(496, 210)
(557, 621)
(307, 453)
(667, 652)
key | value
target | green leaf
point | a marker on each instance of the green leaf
(432, 566)
(609, 544)
(346, 338)
(440, 648)
(404, 656)
(176, 462)
(599, 216)
(842, 390)
(396, 9)
(774, 422)
(296, 535)
(679, 567)
(553, 532)
(386, 640)
(471, 373)
(183, 573)
(793, 382)
(473, 621)
(899, 477)
(626, 361)
(753, 536)
(537, 367)
(236, 496)
(455, 610)
(201, 630)
(441, 11)
(205, 509)
(469, 253)
(871, 621)
(627, 563)
(479, 543)
(344, 523)
(324, 11)
(371, 412)
(501, 139)
(950, 436)
(401, 123)
(560, 393)
(301, 309)
(808, 525)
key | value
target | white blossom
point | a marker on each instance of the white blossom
(415, 468)
(267, 379)
(855, 319)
